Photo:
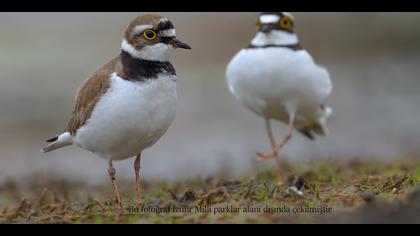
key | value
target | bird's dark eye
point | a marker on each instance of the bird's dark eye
(149, 34)
(286, 23)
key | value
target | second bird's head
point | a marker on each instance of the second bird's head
(275, 28)
(151, 37)
(275, 21)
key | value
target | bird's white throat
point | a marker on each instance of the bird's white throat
(275, 37)
(156, 52)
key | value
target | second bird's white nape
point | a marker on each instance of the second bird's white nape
(156, 52)
(275, 37)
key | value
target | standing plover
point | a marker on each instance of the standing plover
(277, 79)
(130, 102)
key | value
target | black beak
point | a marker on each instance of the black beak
(179, 44)
(267, 28)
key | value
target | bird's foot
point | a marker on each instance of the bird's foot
(118, 204)
(264, 156)
(139, 202)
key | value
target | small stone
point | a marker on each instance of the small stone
(394, 191)
(368, 196)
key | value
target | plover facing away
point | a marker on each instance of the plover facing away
(130, 102)
(277, 79)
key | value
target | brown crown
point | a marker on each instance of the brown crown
(150, 19)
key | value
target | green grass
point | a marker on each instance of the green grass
(337, 185)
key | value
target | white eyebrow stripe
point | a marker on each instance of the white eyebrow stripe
(167, 33)
(163, 20)
(267, 19)
(289, 15)
(140, 28)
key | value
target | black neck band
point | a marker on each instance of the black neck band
(140, 70)
(294, 47)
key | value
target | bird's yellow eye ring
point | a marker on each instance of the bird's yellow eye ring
(258, 24)
(149, 34)
(286, 23)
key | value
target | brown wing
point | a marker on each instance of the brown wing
(89, 94)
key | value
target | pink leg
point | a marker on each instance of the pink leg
(138, 183)
(277, 148)
(112, 172)
(273, 146)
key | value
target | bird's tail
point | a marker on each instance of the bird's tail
(321, 128)
(58, 141)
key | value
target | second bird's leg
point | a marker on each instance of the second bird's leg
(277, 148)
(273, 146)
(112, 172)
(271, 136)
(138, 182)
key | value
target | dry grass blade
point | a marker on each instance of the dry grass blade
(172, 194)
(99, 204)
(215, 196)
(41, 198)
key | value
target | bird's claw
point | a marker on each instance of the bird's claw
(266, 156)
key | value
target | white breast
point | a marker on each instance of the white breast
(270, 80)
(130, 117)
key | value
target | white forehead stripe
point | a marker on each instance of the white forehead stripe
(163, 20)
(140, 28)
(289, 15)
(269, 19)
(168, 33)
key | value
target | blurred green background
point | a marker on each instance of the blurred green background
(373, 58)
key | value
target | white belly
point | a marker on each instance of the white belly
(129, 118)
(271, 82)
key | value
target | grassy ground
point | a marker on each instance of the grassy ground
(356, 192)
